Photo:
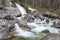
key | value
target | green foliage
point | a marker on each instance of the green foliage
(57, 11)
(41, 10)
(39, 36)
(19, 1)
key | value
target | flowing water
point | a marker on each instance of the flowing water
(36, 26)
(21, 9)
(20, 32)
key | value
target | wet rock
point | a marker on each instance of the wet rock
(50, 15)
(3, 22)
(29, 18)
(9, 17)
(45, 14)
(9, 11)
(23, 25)
(56, 25)
(47, 21)
(7, 28)
(25, 28)
(19, 15)
(58, 22)
(12, 11)
(52, 36)
(6, 3)
(29, 11)
(37, 15)
(46, 31)
(1, 8)
(59, 17)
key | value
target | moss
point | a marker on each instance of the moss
(57, 12)
(39, 36)
(41, 10)
(22, 2)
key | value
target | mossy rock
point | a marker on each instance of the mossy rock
(39, 36)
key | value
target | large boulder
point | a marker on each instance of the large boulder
(7, 28)
(13, 11)
(10, 11)
(45, 31)
(56, 25)
(6, 3)
(10, 17)
(50, 15)
(47, 20)
(29, 18)
(23, 25)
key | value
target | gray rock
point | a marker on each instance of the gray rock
(23, 25)
(7, 28)
(6, 3)
(46, 31)
(10, 11)
(56, 25)
(9, 17)
(29, 18)
(50, 15)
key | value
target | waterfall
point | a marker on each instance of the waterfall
(21, 9)
(20, 32)
(43, 26)
(18, 29)
(32, 25)
(36, 26)
(51, 29)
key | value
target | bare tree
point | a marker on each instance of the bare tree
(44, 3)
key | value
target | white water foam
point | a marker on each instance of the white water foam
(20, 32)
(36, 26)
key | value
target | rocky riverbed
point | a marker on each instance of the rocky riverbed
(15, 21)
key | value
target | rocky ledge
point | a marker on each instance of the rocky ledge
(8, 18)
(7, 27)
(9, 11)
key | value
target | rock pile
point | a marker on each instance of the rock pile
(8, 18)
(51, 15)
(5, 28)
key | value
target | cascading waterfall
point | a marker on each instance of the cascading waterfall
(20, 32)
(36, 26)
(21, 9)
(45, 26)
